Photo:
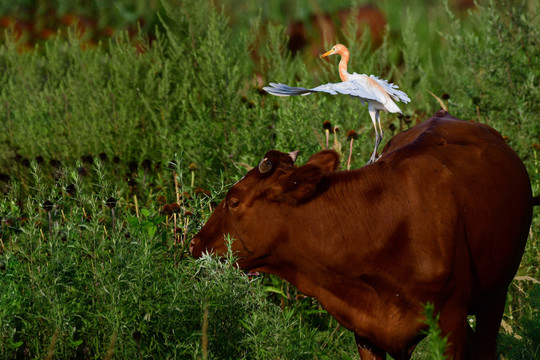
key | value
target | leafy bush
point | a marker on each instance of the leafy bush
(107, 155)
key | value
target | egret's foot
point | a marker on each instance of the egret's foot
(373, 159)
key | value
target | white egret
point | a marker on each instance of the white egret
(377, 93)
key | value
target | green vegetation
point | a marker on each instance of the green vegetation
(113, 155)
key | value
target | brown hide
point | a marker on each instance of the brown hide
(441, 217)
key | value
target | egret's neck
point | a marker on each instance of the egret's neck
(343, 74)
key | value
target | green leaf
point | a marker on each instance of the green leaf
(145, 212)
(152, 230)
(76, 343)
(133, 221)
(275, 290)
(17, 344)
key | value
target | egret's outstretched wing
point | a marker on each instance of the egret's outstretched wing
(354, 88)
(285, 90)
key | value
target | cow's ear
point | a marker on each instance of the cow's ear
(328, 160)
(301, 184)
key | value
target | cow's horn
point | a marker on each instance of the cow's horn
(265, 166)
(294, 155)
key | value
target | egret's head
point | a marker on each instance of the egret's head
(338, 49)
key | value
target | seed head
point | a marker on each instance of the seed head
(133, 166)
(175, 208)
(71, 189)
(147, 164)
(55, 163)
(352, 135)
(136, 336)
(82, 171)
(327, 125)
(47, 206)
(88, 159)
(161, 200)
(166, 209)
(111, 203)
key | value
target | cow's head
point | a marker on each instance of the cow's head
(256, 210)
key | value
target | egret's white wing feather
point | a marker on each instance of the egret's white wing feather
(285, 90)
(391, 89)
(354, 87)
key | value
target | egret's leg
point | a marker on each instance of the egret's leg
(374, 114)
(378, 115)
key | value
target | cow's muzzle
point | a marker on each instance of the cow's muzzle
(192, 244)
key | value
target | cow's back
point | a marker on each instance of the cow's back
(492, 195)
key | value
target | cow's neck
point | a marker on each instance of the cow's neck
(332, 246)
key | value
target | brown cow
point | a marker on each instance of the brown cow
(441, 217)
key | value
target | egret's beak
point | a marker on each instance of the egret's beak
(329, 52)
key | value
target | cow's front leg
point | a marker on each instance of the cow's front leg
(367, 350)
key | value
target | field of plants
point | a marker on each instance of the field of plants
(123, 125)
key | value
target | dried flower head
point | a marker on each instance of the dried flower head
(161, 200)
(136, 335)
(351, 134)
(55, 163)
(327, 125)
(445, 96)
(166, 209)
(88, 159)
(71, 189)
(47, 206)
(186, 195)
(193, 167)
(133, 166)
(147, 164)
(82, 171)
(111, 203)
(175, 207)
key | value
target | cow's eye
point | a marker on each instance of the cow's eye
(234, 203)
